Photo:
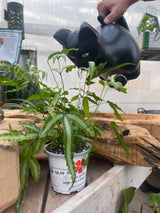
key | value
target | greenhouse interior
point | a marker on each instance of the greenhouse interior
(74, 88)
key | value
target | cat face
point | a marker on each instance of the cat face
(112, 44)
(85, 40)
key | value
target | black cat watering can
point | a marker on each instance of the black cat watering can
(112, 44)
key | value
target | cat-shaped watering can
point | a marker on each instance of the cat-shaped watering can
(112, 44)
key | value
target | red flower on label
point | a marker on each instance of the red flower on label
(79, 166)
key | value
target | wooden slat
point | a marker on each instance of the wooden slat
(104, 194)
(97, 166)
(35, 194)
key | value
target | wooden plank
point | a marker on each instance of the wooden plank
(9, 174)
(96, 167)
(104, 194)
(35, 193)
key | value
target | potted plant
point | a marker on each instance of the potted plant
(64, 123)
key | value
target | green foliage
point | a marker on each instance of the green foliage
(18, 82)
(66, 120)
(148, 23)
(128, 195)
(154, 198)
(115, 129)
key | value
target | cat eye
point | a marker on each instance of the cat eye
(84, 55)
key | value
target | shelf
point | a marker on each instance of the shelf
(149, 44)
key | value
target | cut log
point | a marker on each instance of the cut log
(149, 121)
(142, 146)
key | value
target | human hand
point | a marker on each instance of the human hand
(115, 7)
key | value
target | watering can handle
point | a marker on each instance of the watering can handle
(121, 21)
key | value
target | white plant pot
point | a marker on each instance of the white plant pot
(60, 176)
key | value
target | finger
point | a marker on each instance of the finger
(102, 8)
(110, 18)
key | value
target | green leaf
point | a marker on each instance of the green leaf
(91, 69)
(60, 53)
(92, 94)
(10, 82)
(30, 126)
(86, 106)
(35, 97)
(115, 109)
(19, 200)
(115, 68)
(37, 146)
(24, 173)
(26, 153)
(55, 100)
(69, 147)
(79, 121)
(92, 101)
(154, 198)
(128, 196)
(69, 68)
(50, 123)
(114, 127)
(74, 98)
(51, 113)
(124, 90)
(35, 168)
(103, 83)
(65, 93)
(111, 81)
(91, 149)
(6, 65)
(19, 72)
(17, 136)
(15, 105)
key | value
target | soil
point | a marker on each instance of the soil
(83, 147)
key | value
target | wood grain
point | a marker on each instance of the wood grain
(9, 174)
(35, 194)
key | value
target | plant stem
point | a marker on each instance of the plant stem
(53, 74)
(102, 98)
(60, 73)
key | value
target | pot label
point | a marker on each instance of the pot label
(61, 178)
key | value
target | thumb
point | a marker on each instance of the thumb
(110, 18)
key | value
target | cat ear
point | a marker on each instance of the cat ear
(61, 36)
(87, 32)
